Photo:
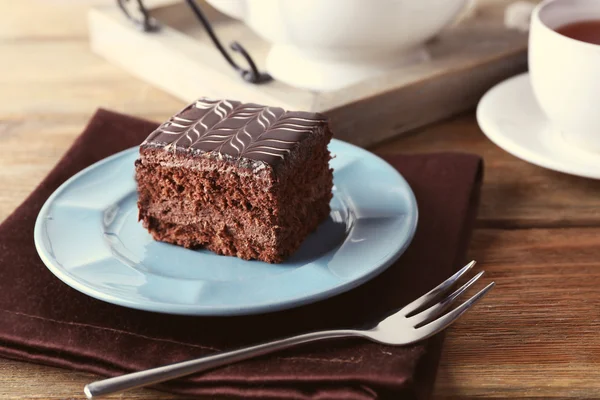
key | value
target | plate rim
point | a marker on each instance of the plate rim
(200, 310)
(516, 149)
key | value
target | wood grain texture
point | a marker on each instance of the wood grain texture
(515, 194)
(534, 336)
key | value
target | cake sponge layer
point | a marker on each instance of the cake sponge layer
(259, 202)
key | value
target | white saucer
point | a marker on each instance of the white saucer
(510, 116)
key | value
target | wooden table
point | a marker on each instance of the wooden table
(538, 236)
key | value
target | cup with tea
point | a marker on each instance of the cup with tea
(564, 64)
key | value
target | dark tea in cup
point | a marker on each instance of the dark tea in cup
(564, 68)
(585, 31)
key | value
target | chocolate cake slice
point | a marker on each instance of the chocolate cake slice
(244, 180)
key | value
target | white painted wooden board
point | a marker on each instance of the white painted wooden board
(467, 59)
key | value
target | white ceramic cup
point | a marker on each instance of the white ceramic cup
(325, 45)
(565, 73)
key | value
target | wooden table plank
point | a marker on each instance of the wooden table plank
(515, 194)
(536, 333)
(534, 336)
(21, 381)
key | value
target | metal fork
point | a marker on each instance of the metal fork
(410, 324)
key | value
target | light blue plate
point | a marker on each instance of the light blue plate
(88, 235)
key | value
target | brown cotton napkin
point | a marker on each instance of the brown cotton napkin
(43, 320)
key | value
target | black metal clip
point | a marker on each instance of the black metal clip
(149, 24)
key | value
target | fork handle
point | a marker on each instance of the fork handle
(167, 372)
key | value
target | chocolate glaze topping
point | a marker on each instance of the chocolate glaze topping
(250, 131)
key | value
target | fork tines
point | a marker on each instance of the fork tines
(423, 318)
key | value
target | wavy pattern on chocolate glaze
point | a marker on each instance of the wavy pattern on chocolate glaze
(238, 130)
